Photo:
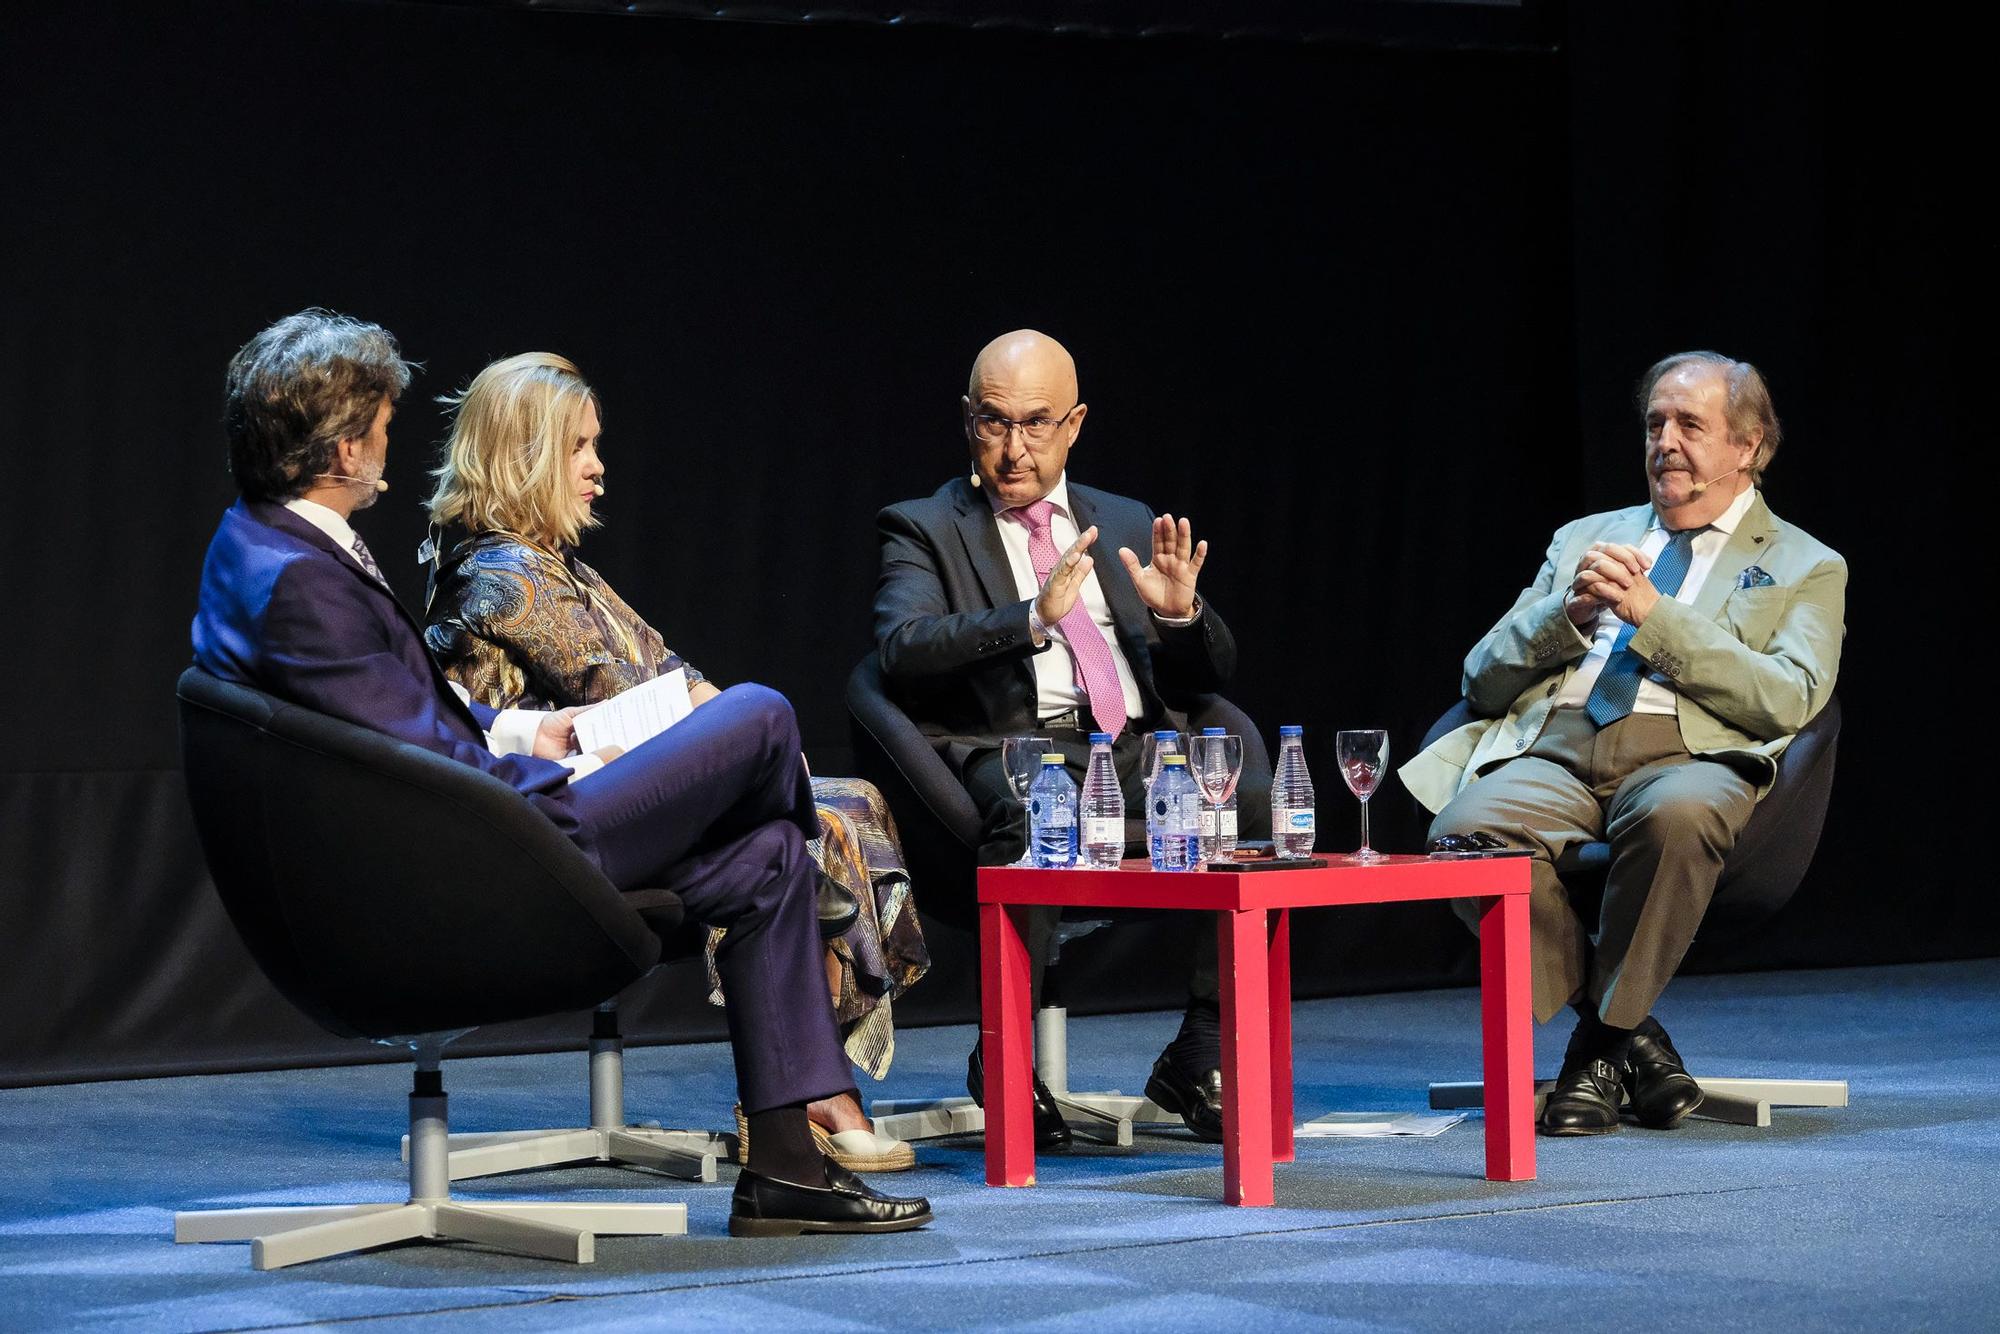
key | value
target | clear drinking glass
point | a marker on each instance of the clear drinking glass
(1363, 756)
(1022, 755)
(1217, 762)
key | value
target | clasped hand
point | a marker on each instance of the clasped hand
(1612, 575)
(1165, 585)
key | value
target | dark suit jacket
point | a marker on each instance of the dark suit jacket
(285, 610)
(953, 633)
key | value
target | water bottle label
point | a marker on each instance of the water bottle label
(1102, 830)
(1060, 816)
(1228, 823)
(1207, 823)
(1292, 821)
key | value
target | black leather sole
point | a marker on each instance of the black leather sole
(792, 1227)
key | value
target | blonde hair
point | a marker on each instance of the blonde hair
(506, 465)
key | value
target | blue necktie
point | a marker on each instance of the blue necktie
(1618, 684)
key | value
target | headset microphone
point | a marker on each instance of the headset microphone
(1700, 487)
(378, 483)
(597, 488)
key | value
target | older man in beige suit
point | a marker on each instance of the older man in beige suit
(1640, 692)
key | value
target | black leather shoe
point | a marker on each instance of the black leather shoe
(765, 1207)
(1196, 1098)
(1664, 1094)
(838, 909)
(1051, 1131)
(1585, 1099)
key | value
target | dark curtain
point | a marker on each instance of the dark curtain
(1368, 312)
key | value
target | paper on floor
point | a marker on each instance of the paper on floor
(1358, 1125)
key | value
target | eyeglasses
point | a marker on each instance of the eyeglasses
(1036, 430)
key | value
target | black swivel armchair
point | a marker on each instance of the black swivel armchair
(942, 832)
(1759, 877)
(398, 897)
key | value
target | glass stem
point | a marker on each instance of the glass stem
(1364, 826)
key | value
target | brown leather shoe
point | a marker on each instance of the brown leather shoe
(1664, 1094)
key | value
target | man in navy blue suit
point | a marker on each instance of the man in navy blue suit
(717, 809)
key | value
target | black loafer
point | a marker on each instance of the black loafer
(1197, 1099)
(765, 1207)
(1051, 1131)
(1664, 1094)
(1585, 1099)
(838, 909)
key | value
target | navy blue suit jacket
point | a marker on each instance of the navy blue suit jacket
(285, 610)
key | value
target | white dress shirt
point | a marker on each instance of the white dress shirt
(513, 730)
(1655, 694)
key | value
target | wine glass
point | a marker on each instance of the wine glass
(1217, 762)
(1362, 756)
(1022, 756)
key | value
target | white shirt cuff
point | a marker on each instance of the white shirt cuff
(580, 766)
(1194, 614)
(513, 731)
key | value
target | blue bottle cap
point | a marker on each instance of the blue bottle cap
(1100, 738)
(1292, 729)
(1165, 734)
(1213, 731)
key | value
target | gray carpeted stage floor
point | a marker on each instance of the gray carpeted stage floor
(1880, 1215)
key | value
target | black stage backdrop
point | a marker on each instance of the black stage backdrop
(1369, 311)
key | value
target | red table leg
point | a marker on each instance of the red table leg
(1506, 1002)
(1246, 1058)
(1282, 1148)
(1008, 1046)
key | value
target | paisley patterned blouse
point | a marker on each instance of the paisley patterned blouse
(522, 626)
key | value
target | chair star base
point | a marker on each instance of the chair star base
(1741, 1102)
(1106, 1117)
(687, 1154)
(287, 1236)
(281, 1236)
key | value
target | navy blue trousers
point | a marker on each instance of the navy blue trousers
(718, 809)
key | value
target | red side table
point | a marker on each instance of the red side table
(1256, 973)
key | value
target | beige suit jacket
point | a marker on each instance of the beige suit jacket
(1750, 661)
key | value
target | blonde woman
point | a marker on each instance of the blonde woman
(520, 622)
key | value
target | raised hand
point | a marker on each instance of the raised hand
(1065, 581)
(1166, 585)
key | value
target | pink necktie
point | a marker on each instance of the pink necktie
(1087, 647)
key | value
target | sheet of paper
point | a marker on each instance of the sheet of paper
(638, 715)
(1359, 1125)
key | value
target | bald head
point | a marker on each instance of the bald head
(1022, 415)
(1024, 361)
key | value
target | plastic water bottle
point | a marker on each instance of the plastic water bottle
(1292, 826)
(1164, 743)
(1052, 815)
(1103, 808)
(1175, 806)
(1218, 823)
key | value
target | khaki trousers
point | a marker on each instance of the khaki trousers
(1670, 820)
